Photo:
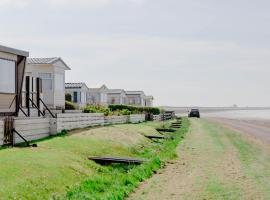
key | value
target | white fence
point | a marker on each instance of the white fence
(136, 118)
(1, 132)
(161, 117)
(157, 117)
(70, 121)
(116, 119)
(32, 128)
(37, 128)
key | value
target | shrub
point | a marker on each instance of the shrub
(68, 97)
(97, 109)
(89, 109)
(125, 112)
(136, 109)
(107, 112)
(119, 109)
(69, 105)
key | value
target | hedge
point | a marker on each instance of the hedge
(97, 109)
(136, 109)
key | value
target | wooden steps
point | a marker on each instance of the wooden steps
(110, 160)
(157, 137)
(165, 130)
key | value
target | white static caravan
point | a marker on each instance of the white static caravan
(78, 92)
(52, 73)
(98, 96)
(149, 101)
(12, 66)
(117, 96)
(136, 98)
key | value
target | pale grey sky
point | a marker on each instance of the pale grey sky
(183, 52)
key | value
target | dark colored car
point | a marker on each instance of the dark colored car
(194, 113)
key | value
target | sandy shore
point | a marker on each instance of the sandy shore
(252, 123)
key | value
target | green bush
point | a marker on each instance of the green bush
(97, 109)
(136, 109)
(119, 109)
(68, 97)
(89, 109)
(125, 112)
(69, 105)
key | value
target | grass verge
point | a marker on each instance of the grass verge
(117, 181)
(59, 169)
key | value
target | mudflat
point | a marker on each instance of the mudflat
(257, 128)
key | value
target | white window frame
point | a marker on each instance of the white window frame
(8, 83)
(43, 78)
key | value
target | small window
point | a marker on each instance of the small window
(7, 76)
(75, 97)
(47, 81)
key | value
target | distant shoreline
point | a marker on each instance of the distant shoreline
(213, 109)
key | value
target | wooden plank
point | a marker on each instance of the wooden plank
(30, 138)
(109, 160)
(34, 132)
(29, 127)
(157, 137)
(78, 119)
(70, 115)
(31, 121)
(165, 130)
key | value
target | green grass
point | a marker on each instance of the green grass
(59, 168)
(118, 181)
(218, 191)
(255, 162)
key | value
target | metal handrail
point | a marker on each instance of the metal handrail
(47, 108)
(36, 107)
(23, 111)
(27, 143)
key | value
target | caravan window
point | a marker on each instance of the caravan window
(47, 81)
(7, 76)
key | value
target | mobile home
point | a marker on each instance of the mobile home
(78, 92)
(136, 98)
(12, 67)
(98, 96)
(117, 96)
(52, 73)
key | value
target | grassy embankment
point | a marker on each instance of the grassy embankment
(59, 167)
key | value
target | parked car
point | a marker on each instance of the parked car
(194, 113)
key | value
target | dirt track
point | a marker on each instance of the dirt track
(214, 163)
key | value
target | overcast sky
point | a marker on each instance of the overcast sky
(183, 52)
